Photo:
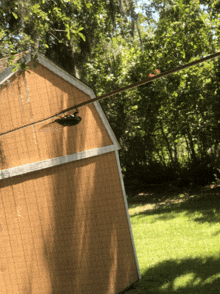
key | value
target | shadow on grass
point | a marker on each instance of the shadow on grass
(191, 276)
(166, 206)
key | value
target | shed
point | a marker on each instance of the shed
(64, 223)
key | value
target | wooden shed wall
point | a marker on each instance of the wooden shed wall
(35, 95)
(64, 230)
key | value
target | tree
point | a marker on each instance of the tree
(168, 128)
(66, 31)
(173, 122)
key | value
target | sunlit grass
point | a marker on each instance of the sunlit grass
(177, 245)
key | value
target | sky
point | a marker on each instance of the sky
(140, 3)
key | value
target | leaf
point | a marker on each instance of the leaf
(15, 68)
(82, 36)
(181, 4)
(68, 34)
(88, 5)
(15, 15)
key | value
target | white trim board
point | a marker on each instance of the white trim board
(63, 74)
(126, 208)
(106, 124)
(31, 167)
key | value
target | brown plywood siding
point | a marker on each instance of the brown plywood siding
(64, 230)
(37, 95)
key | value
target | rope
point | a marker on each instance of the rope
(134, 85)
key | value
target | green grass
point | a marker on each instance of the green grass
(177, 240)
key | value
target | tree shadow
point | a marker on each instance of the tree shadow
(2, 157)
(187, 275)
(166, 206)
(191, 275)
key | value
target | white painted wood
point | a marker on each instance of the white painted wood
(31, 167)
(126, 208)
(63, 74)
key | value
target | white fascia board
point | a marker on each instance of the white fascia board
(126, 208)
(63, 74)
(8, 72)
(106, 123)
(31, 167)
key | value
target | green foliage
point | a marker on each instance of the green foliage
(170, 126)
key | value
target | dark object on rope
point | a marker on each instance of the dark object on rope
(69, 120)
(66, 121)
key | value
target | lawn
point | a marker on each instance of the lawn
(177, 239)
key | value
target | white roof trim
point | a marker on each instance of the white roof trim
(6, 74)
(106, 123)
(63, 74)
(31, 167)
